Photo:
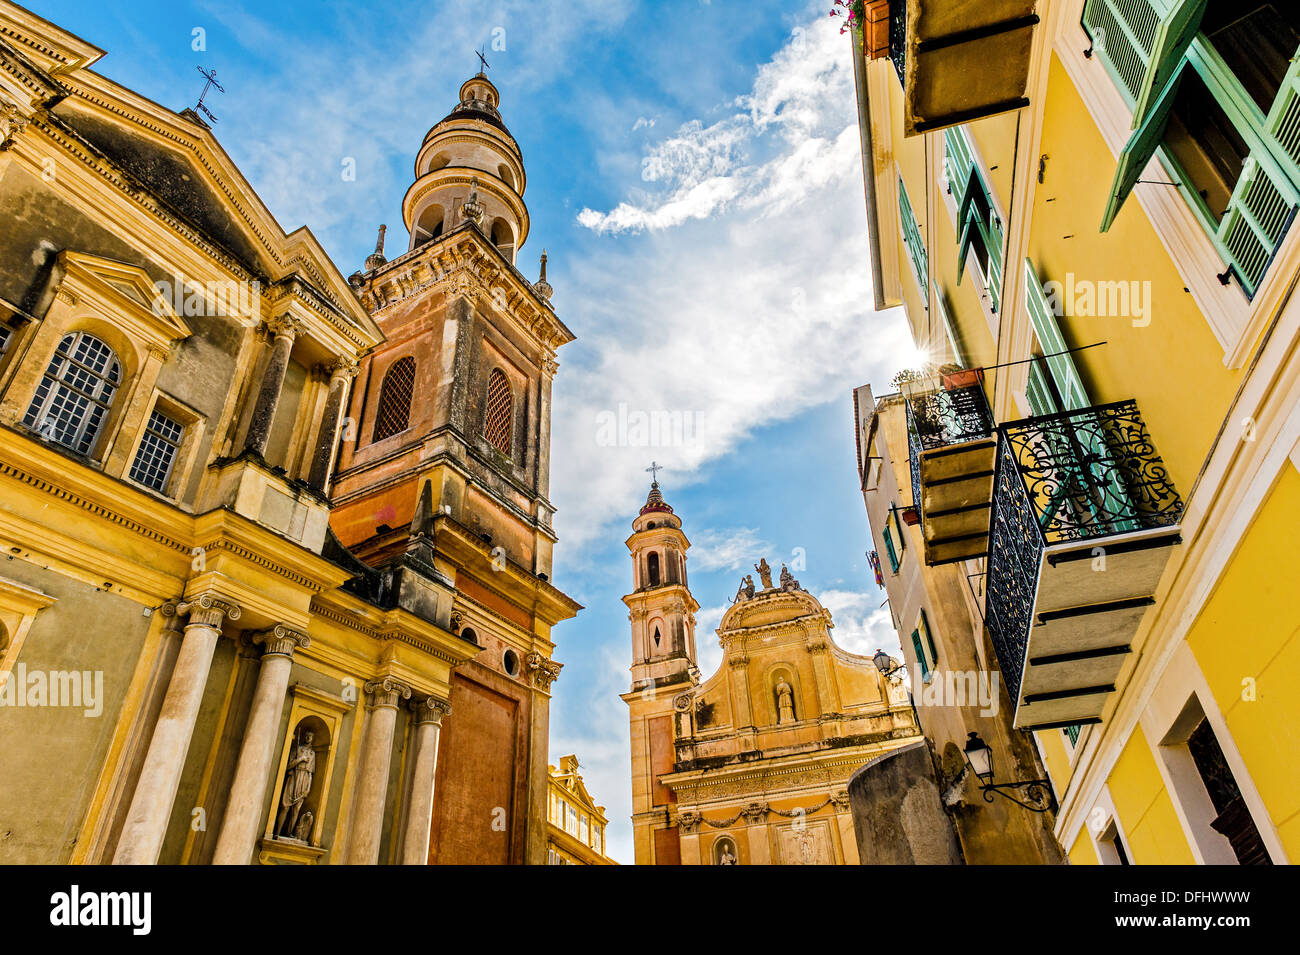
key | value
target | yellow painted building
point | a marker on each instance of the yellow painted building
(201, 660)
(1092, 201)
(752, 765)
(576, 825)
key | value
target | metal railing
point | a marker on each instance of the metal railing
(949, 416)
(1073, 476)
(898, 36)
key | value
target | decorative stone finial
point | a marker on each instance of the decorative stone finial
(376, 258)
(541, 286)
(473, 209)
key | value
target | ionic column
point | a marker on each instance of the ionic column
(247, 796)
(341, 372)
(428, 716)
(372, 777)
(155, 792)
(284, 329)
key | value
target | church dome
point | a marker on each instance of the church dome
(655, 501)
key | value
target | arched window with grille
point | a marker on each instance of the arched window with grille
(394, 412)
(497, 420)
(76, 393)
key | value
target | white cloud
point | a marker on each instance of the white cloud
(643, 123)
(726, 548)
(862, 623)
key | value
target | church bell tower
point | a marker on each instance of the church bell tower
(664, 673)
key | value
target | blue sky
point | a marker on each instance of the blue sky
(695, 174)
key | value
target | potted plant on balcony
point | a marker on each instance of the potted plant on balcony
(954, 377)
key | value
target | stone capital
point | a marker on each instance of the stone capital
(544, 672)
(208, 610)
(281, 639)
(387, 693)
(284, 326)
(430, 710)
(342, 368)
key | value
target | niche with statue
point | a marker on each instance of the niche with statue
(784, 695)
(302, 789)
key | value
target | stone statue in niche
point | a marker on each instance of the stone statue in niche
(787, 579)
(302, 831)
(726, 856)
(784, 702)
(765, 572)
(746, 588)
(297, 785)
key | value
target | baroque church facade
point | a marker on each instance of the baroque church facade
(750, 766)
(278, 543)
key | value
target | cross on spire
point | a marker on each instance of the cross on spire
(654, 469)
(484, 65)
(211, 77)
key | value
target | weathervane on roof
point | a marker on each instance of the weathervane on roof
(484, 65)
(211, 82)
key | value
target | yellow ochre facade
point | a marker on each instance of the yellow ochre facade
(235, 625)
(575, 824)
(1085, 210)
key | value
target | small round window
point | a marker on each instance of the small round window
(511, 662)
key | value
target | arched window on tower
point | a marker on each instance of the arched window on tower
(395, 392)
(503, 238)
(74, 397)
(429, 226)
(497, 423)
(652, 567)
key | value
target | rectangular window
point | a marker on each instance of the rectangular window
(920, 656)
(889, 546)
(572, 827)
(979, 228)
(916, 252)
(157, 451)
(582, 831)
(1215, 90)
(924, 627)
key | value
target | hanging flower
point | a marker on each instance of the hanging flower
(853, 13)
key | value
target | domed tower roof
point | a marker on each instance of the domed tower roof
(656, 512)
(655, 500)
(469, 150)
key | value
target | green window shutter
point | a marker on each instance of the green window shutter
(1072, 733)
(949, 328)
(920, 656)
(912, 237)
(1265, 194)
(958, 159)
(1141, 43)
(889, 549)
(1138, 150)
(929, 639)
(975, 212)
(1039, 393)
(1062, 368)
(1282, 125)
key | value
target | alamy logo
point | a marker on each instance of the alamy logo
(1084, 298)
(958, 688)
(131, 909)
(82, 689)
(212, 299)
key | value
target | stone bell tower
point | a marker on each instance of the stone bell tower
(662, 614)
(443, 478)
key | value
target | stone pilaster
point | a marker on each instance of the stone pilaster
(284, 329)
(428, 714)
(341, 372)
(252, 774)
(384, 696)
(155, 791)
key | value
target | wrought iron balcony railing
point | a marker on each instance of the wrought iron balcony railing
(949, 416)
(898, 36)
(1064, 482)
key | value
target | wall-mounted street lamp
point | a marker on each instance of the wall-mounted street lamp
(980, 759)
(885, 663)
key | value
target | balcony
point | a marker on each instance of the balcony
(951, 442)
(960, 61)
(1084, 517)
